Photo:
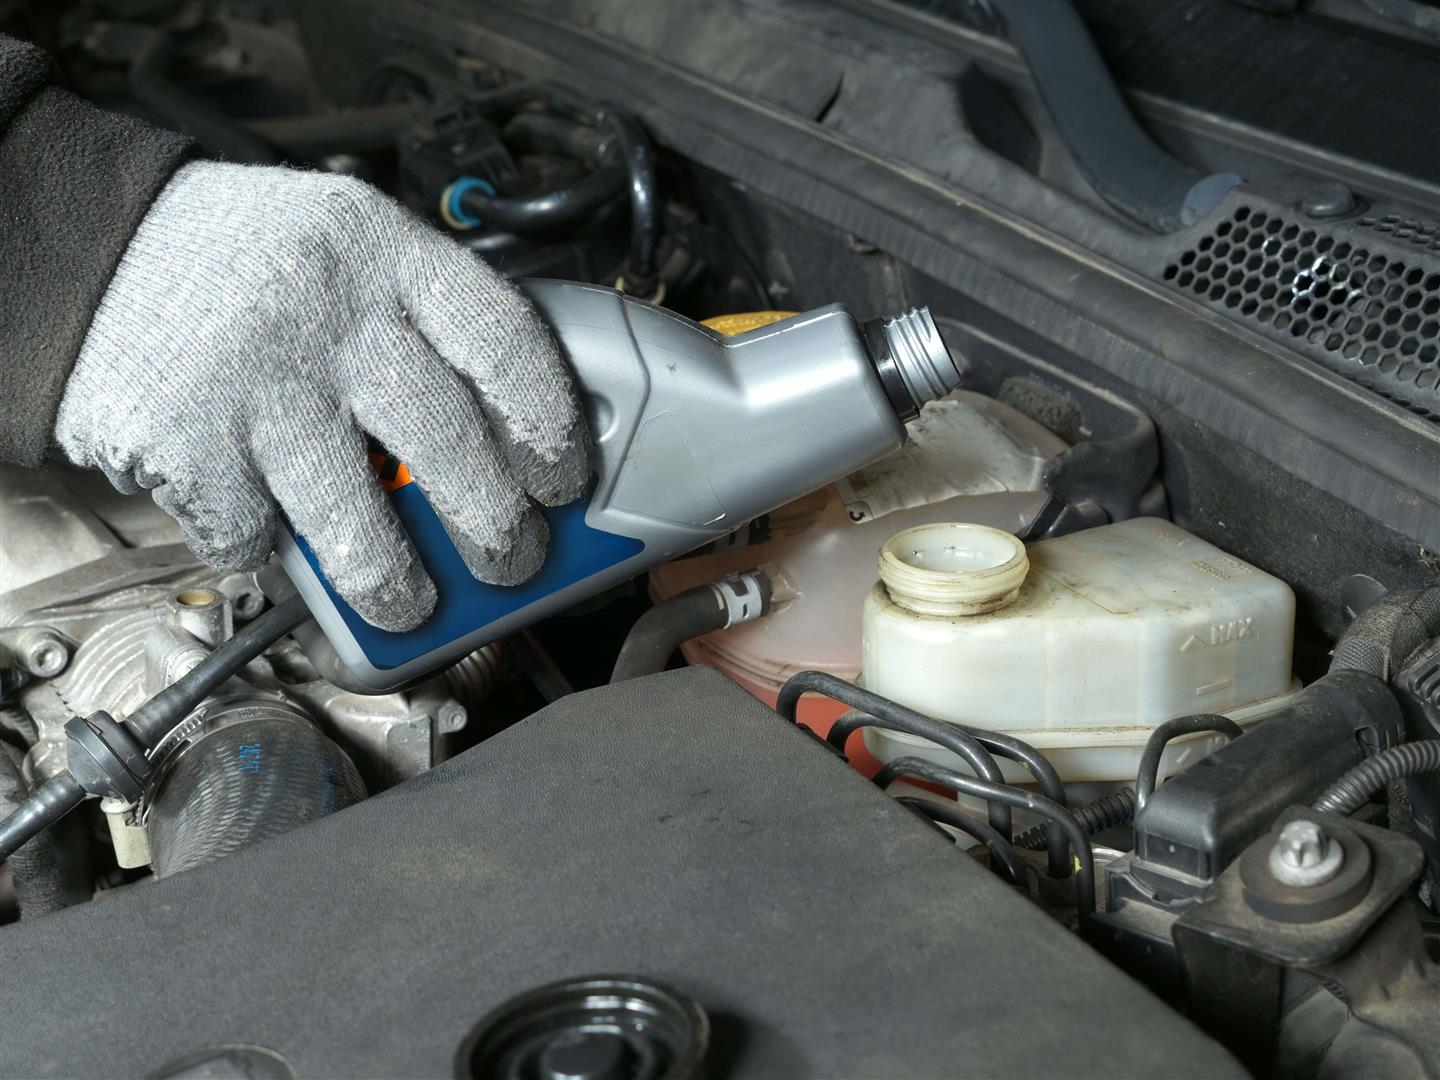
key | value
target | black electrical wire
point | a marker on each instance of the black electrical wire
(1355, 788)
(1002, 853)
(153, 720)
(1020, 800)
(877, 711)
(882, 712)
(1160, 738)
(1094, 817)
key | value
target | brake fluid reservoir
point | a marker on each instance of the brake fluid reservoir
(967, 456)
(1079, 645)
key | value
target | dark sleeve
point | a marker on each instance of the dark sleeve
(74, 183)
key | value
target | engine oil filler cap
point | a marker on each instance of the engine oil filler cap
(596, 1028)
(951, 568)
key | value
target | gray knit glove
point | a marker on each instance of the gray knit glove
(260, 319)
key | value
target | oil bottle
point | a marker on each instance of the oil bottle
(694, 434)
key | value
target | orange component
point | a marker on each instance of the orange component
(816, 713)
(391, 470)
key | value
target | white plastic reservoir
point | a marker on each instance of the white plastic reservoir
(1079, 645)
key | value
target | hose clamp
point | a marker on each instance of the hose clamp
(452, 210)
(745, 596)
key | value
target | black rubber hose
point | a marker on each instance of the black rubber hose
(552, 212)
(47, 804)
(1149, 769)
(661, 630)
(1356, 787)
(374, 127)
(1003, 858)
(34, 867)
(505, 99)
(877, 711)
(533, 130)
(1121, 162)
(1094, 817)
(640, 269)
(1388, 631)
(153, 720)
(216, 132)
(891, 714)
(1020, 800)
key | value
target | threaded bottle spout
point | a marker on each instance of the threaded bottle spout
(911, 359)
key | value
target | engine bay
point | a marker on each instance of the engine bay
(1005, 638)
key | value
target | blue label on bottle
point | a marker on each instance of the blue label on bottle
(464, 605)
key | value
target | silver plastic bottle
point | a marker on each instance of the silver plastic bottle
(695, 433)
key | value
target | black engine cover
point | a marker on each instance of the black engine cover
(672, 828)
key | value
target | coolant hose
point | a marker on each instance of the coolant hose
(47, 804)
(1121, 162)
(347, 131)
(1355, 788)
(34, 868)
(665, 627)
(1388, 631)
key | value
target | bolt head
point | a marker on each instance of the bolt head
(1305, 855)
(44, 655)
(1303, 843)
(452, 718)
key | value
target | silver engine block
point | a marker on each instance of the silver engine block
(102, 606)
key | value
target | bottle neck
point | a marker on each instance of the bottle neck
(911, 359)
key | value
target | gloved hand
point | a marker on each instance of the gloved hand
(260, 319)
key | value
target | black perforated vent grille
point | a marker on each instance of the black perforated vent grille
(1371, 314)
(1422, 234)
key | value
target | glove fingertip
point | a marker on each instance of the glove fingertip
(563, 482)
(559, 481)
(397, 604)
(520, 557)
